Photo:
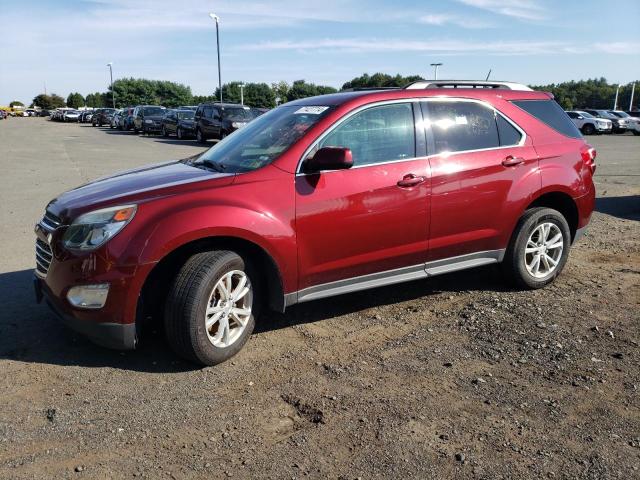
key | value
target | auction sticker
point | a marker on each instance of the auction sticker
(311, 110)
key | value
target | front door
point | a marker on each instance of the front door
(373, 217)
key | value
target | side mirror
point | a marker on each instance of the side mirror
(329, 158)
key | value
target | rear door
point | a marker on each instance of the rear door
(373, 217)
(482, 168)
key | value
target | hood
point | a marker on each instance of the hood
(132, 186)
(186, 121)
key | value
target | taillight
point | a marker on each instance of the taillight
(588, 154)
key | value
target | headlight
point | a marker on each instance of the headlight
(148, 121)
(93, 229)
(238, 124)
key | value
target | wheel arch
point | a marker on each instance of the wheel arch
(157, 282)
(563, 203)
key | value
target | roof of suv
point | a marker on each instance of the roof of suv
(488, 93)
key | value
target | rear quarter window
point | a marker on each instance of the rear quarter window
(551, 114)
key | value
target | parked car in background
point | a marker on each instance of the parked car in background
(115, 119)
(44, 113)
(588, 124)
(633, 113)
(126, 119)
(71, 116)
(321, 196)
(633, 123)
(148, 119)
(178, 122)
(188, 107)
(103, 116)
(217, 120)
(86, 116)
(619, 124)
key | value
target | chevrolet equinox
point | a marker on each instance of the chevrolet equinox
(319, 197)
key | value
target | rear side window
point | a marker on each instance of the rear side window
(376, 135)
(508, 134)
(460, 126)
(551, 114)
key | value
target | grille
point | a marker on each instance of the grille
(43, 257)
(50, 221)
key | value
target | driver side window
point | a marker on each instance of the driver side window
(376, 135)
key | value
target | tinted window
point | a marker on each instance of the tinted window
(238, 114)
(507, 133)
(153, 110)
(208, 112)
(460, 126)
(378, 134)
(551, 114)
(572, 114)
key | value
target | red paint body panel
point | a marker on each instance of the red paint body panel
(324, 227)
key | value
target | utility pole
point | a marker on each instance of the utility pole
(435, 70)
(113, 94)
(242, 85)
(633, 90)
(217, 20)
(615, 102)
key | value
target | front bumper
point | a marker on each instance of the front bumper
(151, 127)
(121, 336)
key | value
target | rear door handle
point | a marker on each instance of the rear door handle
(410, 180)
(512, 161)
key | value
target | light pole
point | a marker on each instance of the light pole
(217, 20)
(113, 94)
(633, 90)
(615, 102)
(242, 85)
(435, 70)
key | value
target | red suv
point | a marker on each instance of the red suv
(319, 197)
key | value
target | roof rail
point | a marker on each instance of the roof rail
(466, 84)
(362, 89)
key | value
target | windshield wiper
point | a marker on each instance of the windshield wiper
(218, 167)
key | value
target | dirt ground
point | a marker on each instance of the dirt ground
(458, 376)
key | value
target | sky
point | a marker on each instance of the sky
(66, 44)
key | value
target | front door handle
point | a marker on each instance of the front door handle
(512, 161)
(410, 180)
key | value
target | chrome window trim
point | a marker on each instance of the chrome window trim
(346, 117)
(397, 275)
(308, 150)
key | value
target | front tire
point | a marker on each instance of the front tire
(179, 133)
(539, 248)
(164, 132)
(211, 307)
(588, 129)
(199, 136)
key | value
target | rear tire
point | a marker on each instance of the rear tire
(202, 323)
(529, 241)
(199, 136)
(588, 129)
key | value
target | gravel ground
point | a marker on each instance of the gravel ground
(456, 376)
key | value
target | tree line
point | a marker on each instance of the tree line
(593, 93)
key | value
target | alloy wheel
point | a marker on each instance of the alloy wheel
(228, 309)
(544, 250)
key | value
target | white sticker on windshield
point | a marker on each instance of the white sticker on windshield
(311, 110)
(461, 120)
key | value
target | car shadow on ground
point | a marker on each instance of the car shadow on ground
(30, 332)
(187, 141)
(627, 207)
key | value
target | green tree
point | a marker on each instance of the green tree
(302, 89)
(48, 102)
(258, 95)
(591, 93)
(16, 103)
(141, 91)
(96, 100)
(75, 100)
(380, 80)
(281, 91)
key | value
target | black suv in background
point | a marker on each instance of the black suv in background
(148, 118)
(102, 116)
(217, 120)
(179, 122)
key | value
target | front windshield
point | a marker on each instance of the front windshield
(606, 114)
(186, 115)
(262, 140)
(586, 115)
(621, 114)
(238, 114)
(153, 111)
